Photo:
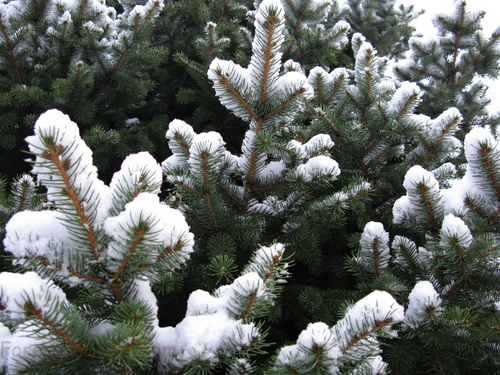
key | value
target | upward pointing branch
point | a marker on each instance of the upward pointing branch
(270, 25)
(53, 154)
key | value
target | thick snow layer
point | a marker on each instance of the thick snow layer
(212, 326)
(455, 232)
(318, 167)
(16, 289)
(316, 335)
(320, 143)
(202, 338)
(273, 168)
(290, 83)
(163, 227)
(365, 315)
(408, 204)
(36, 233)
(138, 173)
(423, 299)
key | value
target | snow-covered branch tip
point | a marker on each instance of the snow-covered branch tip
(351, 341)
(259, 93)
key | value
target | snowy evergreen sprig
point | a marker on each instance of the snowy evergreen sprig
(451, 68)
(258, 93)
(423, 205)
(374, 124)
(374, 253)
(220, 323)
(352, 340)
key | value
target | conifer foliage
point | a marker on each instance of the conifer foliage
(80, 57)
(353, 229)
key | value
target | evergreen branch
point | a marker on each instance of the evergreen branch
(485, 152)
(477, 56)
(476, 208)
(11, 47)
(423, 189)
(117, 291)
(292, 97)
(96, 53)
(236, 200)
(139, 234)
(443, 134)
(376, 255)
(251, 299)
(81, 12)
(358, 104)
(488, 251)
(25, 186)
(461, 258)
(211, 211)
(381, 154)
(206, 184)
(485, 287)
(407, 105)
(321, 114)
(53, 155)
(71, 272)
(369, 88)
(436, 355)
(324, 41)
(291, 370)
(235, 93)
(187, 187)
(270, 24)
(335, 88)
(374, 146)
(169, 250)
(411, 262)
(37, 313)
(319, 85)
(379, 324)
(179, 56)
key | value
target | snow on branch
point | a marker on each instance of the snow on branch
(423, 206)
(374, 254)
(215, 323)
(63, 164)
(259, 93)
(352, 340)
(423, 301)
